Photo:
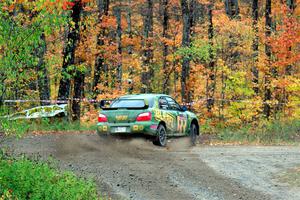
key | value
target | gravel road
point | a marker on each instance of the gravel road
(136, 169)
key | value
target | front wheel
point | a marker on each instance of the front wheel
(161, 138)
(193, 134)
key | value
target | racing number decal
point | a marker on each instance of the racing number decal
(167, 117)
(181, 123)
(121, 117)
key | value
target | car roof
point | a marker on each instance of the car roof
(147, 96)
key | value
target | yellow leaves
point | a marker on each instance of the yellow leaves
(127, 41)
(293, 85)
(199, 67)
(21, 1)
(11, 7)
(281, 83)
(168, 42)
(109, 22)
(8, 6)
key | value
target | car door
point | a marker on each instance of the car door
(167, 115)
(181, 116)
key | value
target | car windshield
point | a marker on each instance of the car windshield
(128, 103)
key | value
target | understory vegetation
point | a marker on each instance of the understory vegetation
(266, 132)
(26, 179)
(275, 132)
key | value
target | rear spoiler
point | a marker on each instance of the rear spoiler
(105, 104)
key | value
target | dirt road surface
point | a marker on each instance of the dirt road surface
(136, 169)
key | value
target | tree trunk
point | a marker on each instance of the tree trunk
(100, 68)
(148, 52)
(255, 72)
(69, 60)
(130, 47)
(291, 4)
(129, 26)
(186, 33)
(69, 51)
(268, 25)
(43, 79)
(3, 89)
(211, 82)
(119, 47)
(165, 24)
(232, 8)
(190, 90)
(78, 93)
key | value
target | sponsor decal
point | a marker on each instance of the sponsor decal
(121, 117)
(166, 117)
(181, 123)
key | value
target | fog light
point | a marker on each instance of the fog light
(153, 126)
(135, 127)
(104, 128)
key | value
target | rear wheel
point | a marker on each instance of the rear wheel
(193, 134)
(161, 138)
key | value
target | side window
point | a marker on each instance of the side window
(162, 103)
(173, 105)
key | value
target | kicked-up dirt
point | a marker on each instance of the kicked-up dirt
(136, 169)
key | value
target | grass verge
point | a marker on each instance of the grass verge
(26, 179)
(275, 132)
(59, 124)
(18, 128)
(263, 132)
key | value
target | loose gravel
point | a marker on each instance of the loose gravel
(136, 169)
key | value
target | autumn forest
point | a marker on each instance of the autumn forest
(233, 62)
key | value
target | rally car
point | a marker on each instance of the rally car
(157, 115)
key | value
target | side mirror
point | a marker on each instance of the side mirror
(184, 108)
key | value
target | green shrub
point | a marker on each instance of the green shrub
(25, 179)
(14, 127)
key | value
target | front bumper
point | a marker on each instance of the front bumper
(147, 128)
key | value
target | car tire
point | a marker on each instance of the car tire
(161, 138)
(193, 134)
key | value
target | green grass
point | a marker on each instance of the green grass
(22, 126)
(15, 128)
(276, 132)
(58, 124)
(26, 179)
